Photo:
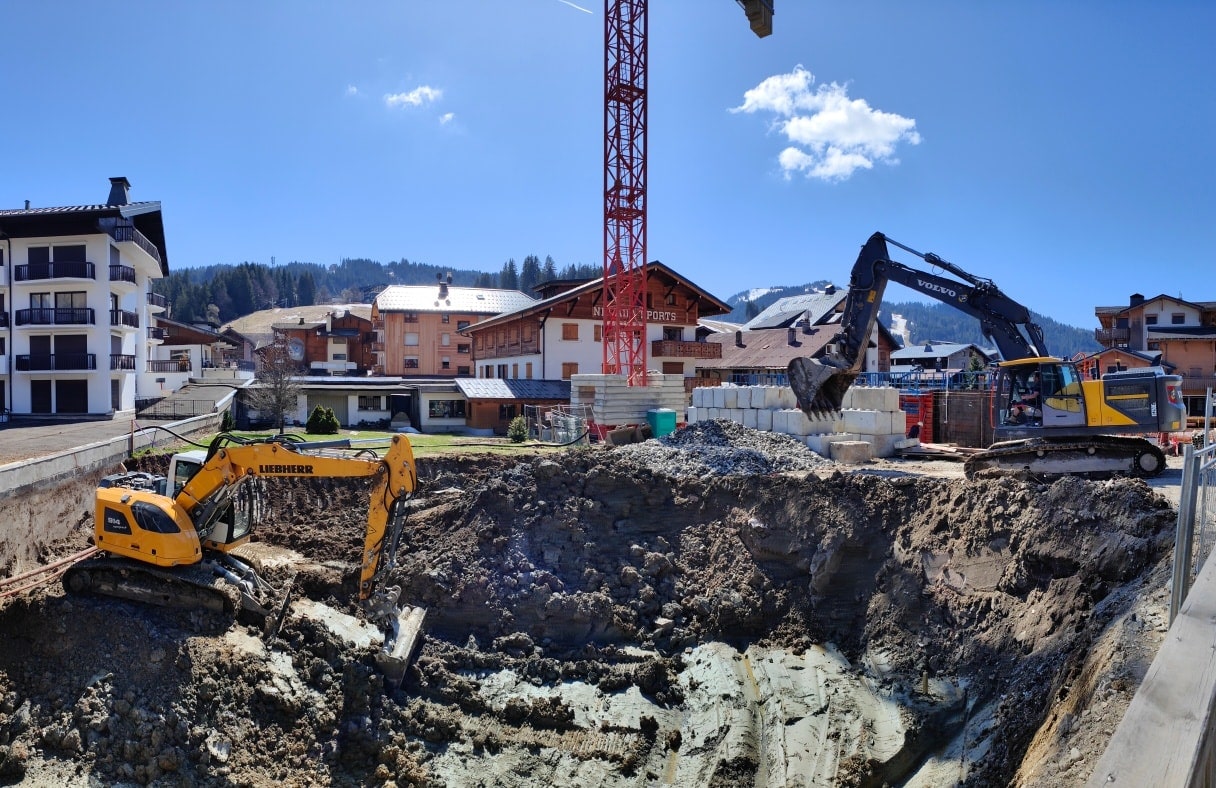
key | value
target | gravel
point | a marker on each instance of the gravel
(715, 448)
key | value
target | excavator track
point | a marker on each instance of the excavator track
(185, 587)
(1105, 455)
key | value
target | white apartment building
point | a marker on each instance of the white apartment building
(75, 306)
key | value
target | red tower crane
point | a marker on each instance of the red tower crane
(624, 296)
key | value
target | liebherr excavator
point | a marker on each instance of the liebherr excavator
(174, 540)
(1048, 419)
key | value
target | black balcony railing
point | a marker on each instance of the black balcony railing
(1112, 336)
(122, 361)
(57, 362)
(156, 332)
(53, 316)
(37, 271)
(122, 273)
(121, 317)
(169, 365)
(156, 299)
(128, 234)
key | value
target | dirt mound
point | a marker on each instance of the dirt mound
(626, 617)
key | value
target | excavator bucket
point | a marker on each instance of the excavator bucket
(819, 385)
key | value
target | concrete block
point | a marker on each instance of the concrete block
(905, 443)
(797, 423)
(719, 397)
(820, 444)
(851, 452)
(698, 396)
(730, 397)
(764, 420)
(736, 415)
(887, 445)
(691, 415)
(781, 421)
(749, 417)
(821, 425)
(865, 422)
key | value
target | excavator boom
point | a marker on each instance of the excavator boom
(820, 383)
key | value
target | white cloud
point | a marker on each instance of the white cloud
(832, 135)
(446, 118)
(424, 94)
(351, 90)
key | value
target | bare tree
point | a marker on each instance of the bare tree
(277, 390)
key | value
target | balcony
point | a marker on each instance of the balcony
(156, 333)
(377, 347)
(54, 317)
(169, 365)
(670, 348)
(57, 362)
(35, 272)
(124, 319)
(122, 361)
(122, 273)
(1110, 337)
(158, 302)
(128, 234)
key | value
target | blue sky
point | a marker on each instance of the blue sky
(1063, 149)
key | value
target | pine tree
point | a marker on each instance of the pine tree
(530, 274)
(306, 290)
(509, 278)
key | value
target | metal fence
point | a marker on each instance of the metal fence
(173, 408)
(558, 423)
(1194, 538)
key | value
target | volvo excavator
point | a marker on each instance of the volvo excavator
(177, 540)
(1048, 419)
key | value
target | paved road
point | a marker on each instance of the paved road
(21, 439)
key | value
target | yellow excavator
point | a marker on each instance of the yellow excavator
(176, 540)
(1048, 418)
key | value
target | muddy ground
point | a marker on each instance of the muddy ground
(630, 616)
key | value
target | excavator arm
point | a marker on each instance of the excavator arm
(820, 383)
(210, 492)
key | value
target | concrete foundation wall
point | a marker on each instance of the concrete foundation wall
(870, 415)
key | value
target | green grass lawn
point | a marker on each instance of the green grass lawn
(424, 445)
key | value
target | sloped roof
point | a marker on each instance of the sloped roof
(936, 350)
(258, 327)
(84, 219)
(466, 300)
(1203, 306)
(1182, 332)
(783, 312)
(766, 348)
(513, 388)
(709, 305)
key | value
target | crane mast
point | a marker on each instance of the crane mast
(625, 92)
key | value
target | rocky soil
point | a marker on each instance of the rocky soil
(721, 607)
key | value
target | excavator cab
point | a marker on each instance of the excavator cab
(1033, 393)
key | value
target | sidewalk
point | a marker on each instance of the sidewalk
(23, 439)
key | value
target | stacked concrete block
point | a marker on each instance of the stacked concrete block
(869, 414)
(614, 401)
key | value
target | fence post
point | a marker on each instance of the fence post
(1185, 533)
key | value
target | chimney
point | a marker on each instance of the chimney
(738, 339)
(830, 289)
(792, 335)
(443, 286)
(119, 191)
(1136, 300)
(27, 205)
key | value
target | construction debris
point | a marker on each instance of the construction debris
(640, 615)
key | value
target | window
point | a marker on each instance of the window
(506, 412)
(463, 371)
(1150, 320)
(411, 339)
(1154, 345)
(673, 367)
(461, 325)
(673, 333)
(410, 362)
(339, 357)
(599, 332)
(445, 362)
(463, 349)
(570, 331)
(671, 299)
(445, 340)
(410, 317)
(371, 403)
(445, 318)
(446, 409)
(501, 372)
(569, 368)
(1178, 319)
